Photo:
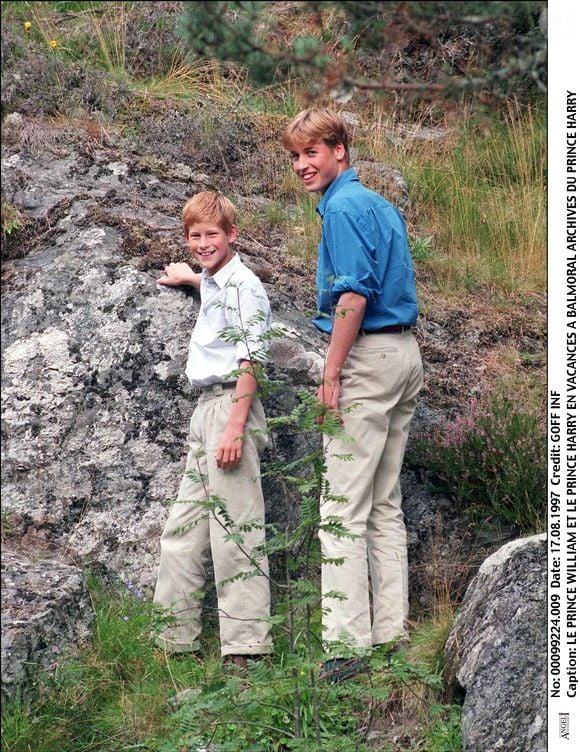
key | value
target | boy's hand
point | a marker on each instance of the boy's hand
(229, 451)
(179, 273)
(329, 394)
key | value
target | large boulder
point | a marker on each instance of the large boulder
(96, 404)
(46, 611)
(95, 400)
(496, 651)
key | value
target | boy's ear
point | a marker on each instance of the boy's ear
(340, 152)
(233, 234)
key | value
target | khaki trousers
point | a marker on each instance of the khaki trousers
(191, 535)
(379, 383)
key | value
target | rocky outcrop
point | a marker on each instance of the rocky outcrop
(46, 611)
(95, 401)
(496, 651)
(96, 404)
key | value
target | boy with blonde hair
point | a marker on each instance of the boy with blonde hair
(373, 372)
(227, 437)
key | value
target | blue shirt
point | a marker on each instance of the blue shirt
(364, 249)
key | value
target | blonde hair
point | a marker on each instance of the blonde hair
(312, 125)
(209, 206)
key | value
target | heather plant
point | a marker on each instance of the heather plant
(491, 460)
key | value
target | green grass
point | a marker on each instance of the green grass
(484, 201)
(111, 696)
(115, 695)
(445, 733)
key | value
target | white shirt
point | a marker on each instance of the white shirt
(234, 317)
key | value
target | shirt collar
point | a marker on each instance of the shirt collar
(347, 176)
(222, 277)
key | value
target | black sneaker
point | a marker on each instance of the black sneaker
(337, 670)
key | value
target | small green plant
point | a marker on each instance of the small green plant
(11, 218)
(491, 460)
(420, 248)
(445, 733)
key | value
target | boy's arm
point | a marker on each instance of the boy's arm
(180, 273)
(229, 451)
(350, 311)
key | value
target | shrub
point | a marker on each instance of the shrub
(491, 460)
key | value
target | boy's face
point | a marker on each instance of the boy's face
(318, 164)
(211, 245)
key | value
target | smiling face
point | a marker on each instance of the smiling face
(318, 164)
(211, 245)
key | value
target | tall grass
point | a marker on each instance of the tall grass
(121, 693)
(113, 695)
(482, 195)
(89, 31)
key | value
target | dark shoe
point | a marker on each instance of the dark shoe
(241, 661)
(396, 647)
(337, 670)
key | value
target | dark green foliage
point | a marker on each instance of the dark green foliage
(446, 48)
(492, 462)
(227, 31)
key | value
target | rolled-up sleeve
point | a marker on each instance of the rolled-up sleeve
(353, 256)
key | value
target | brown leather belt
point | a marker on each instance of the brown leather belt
(396, 329)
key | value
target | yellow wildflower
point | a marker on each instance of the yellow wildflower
(27, 25)
(53, 43)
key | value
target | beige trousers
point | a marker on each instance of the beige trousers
(379, 384)
(191, 534)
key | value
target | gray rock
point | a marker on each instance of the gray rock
(496, 651)
(46, 611)
(96, 404)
